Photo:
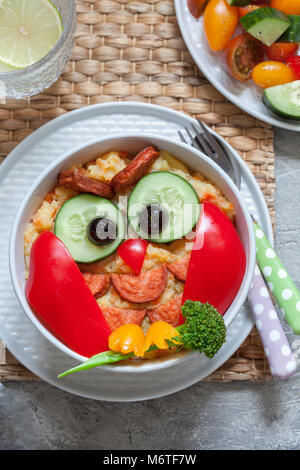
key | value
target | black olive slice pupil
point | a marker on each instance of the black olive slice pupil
(102, 231)
(153, 219)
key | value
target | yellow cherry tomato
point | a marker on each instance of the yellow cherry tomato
(272, 73)
(220, 22)
(289, 7)
(126, 339)
(158, 333)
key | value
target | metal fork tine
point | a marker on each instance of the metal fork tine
(207, 141)
(221, 153)
(203, 127)
(212, 140)
(206, 147)
(194, 140)
(209, 145)
(189, 133)
(197, 144)
(182, 137)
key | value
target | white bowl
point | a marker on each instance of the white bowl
(194, 159)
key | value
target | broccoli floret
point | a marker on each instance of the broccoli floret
(204, 329)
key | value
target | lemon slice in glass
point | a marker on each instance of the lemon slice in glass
(6, 68)
(28, 31)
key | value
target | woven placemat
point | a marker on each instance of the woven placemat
(133, 51)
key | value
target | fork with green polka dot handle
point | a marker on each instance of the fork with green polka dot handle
(280, 283)
(279, 354)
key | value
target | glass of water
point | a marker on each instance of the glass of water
(31, 80)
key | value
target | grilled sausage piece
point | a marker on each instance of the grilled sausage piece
(169, 312)
(97, 283)
(134, 171)
(180, 268)
(116, 317)
(75, 180)
(145, 287)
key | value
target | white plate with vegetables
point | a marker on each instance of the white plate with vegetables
(249, 51)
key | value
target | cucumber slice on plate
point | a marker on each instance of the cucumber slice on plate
(284, 100)
(163, 207)
(266, 24)
(76, 222)
(238, 3)
(292, 34)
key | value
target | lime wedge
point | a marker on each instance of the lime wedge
(6, 68)
(28, 31)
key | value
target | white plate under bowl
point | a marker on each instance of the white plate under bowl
(246, 96)
(17, 174)
(132, 144)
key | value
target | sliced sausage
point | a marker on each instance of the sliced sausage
(75, 180)
(116, 317)
(169, 312)
(145, 287)
(134, 171)
(180, 268)
(97, 283)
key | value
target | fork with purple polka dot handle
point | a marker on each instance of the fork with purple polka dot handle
(277, 349)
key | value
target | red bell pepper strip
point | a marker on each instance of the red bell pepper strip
(61, 299)
(218, 261)
(133, 253)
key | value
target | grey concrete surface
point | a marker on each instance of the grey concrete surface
(205, 416)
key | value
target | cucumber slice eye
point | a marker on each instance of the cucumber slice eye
(74, 225)
(163, 207)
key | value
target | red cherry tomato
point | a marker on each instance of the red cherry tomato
(218, 261)
(196, 7)
(242, 11)
(133, 253)
(242, 54)
(57, 292)
(294, 63)
(280, 51)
